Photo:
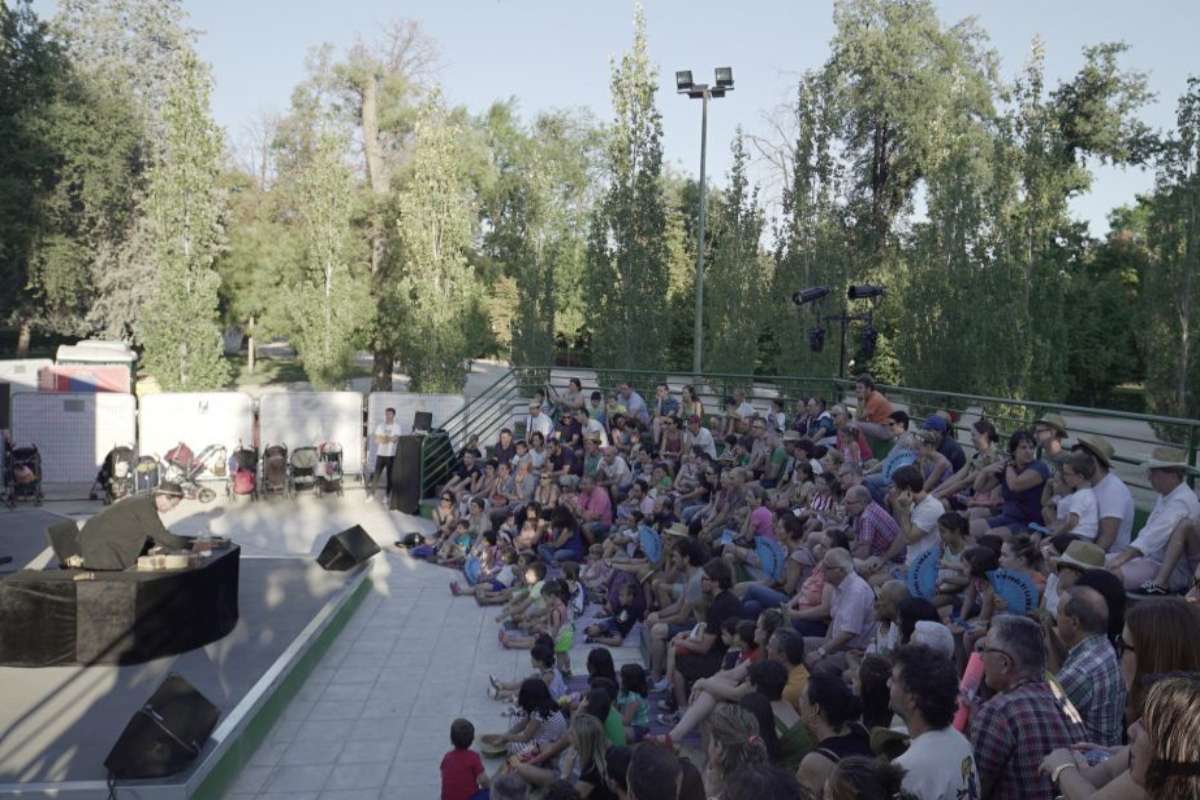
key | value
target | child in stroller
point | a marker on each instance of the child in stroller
(329, 472)
(116, 476)
(22, 474)
(243, 473)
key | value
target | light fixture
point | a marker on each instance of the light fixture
(683, 80)
(810, 295)
(864, 292)
(723, 77)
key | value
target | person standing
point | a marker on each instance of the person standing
(386, 434)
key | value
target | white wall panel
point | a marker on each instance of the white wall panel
(303, 419)
(73, 432)
(196, 418)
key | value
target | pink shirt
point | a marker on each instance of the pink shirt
(762, 522)
(598, 504)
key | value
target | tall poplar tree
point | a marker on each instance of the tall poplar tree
(627, 251)
(179, 326)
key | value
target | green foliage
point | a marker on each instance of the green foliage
(433, 301)
(626, 251)
(185, 206)
(328, 309)
(738, 276)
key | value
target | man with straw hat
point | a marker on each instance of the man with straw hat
(1154, 564)
(1050, 431)
(1113, 498)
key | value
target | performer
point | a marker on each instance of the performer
(387, 434)
(115, 538)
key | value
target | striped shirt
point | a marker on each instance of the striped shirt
(1091, 679)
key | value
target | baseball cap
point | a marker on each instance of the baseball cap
(934, 423)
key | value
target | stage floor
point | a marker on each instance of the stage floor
(59, 723)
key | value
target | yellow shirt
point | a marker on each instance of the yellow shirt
(797, 685)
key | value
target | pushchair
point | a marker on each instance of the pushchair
(23, 476)
(145, 478)
(185, 469)
(302, 470)
(243, 473)
(116, 477)
(274, 470)
(329, 470)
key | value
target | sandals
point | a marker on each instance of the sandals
(1153, 589)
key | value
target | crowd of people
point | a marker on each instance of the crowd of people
(840, 602)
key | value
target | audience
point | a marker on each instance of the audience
(773, 672)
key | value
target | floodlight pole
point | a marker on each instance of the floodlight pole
(698, 359)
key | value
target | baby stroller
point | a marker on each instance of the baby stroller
(329, 470)
(23, 476)
(185, 469)
(243, 473)
(116, 477)
(274, 470)
(302, 470)
(145, 477)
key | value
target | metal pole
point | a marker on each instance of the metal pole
(698, 362)
(842, 356)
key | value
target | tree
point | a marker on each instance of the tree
(185, 206)
(432, 301)
(738, 277)
(626, 253)
(329, 308)
(1172, 285)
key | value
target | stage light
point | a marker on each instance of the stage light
(864, 292)
(723, 77)
(810, 295)
(867, 344)
(683, 80)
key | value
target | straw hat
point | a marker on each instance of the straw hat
(1169, 458)
(1055, 421)
(792, 436)
(678, 529)
(1083, 555)
(1096, 445)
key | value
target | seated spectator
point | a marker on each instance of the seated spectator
(595, 510)
(874, 409)
(1154, 563)
(762, 780)
(831, 712)
(1076, 511)
(1024, 721)
(852, 612)
(917, 512)
(654, 773)
(1091, 676)
(689, 658)
(878, 546)
(634, 403)
(861, 778)
(1021, 479)
(538, 422)
(911, 611)
(869, 682)
(786, 736)
(849, 439)
(1166, 746)
(947, 443)
(887, 618)
(505, 449)
(680, 613)
(735, 741)
(1161, 635)
(1114, 501)
(905, 451)
(956, 489)
(934, 466)
(935, 636)
(1021, 554)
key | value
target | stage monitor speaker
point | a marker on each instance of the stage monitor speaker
(423, 421)
(347, 549)
(165, 735)
(406, 475)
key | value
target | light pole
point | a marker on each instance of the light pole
(722, 83)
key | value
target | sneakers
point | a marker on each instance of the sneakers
(1152, 589)
(669, 718)
(662, 685)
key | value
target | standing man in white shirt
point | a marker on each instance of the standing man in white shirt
(1143, 565)
(939, 764)
(386, 435)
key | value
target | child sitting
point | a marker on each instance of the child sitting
(463, 776)
(543, 660)
(557, 625)
(632, 703)
(524, 600)
(953, 573)
(744, 640)
(453, 549)
(612, 631)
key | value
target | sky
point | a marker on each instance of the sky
(553, 54)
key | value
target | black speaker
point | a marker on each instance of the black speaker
(5, 406)
(423, 421)
(347, 549)
(406, 475)
(64, 541)
(165, 735)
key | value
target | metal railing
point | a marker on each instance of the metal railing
(503, 404)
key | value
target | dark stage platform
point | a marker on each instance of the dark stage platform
(57, 724)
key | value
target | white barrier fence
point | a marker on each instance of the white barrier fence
(73, 432)
(22, 374)
(304, 419)
(197, 418)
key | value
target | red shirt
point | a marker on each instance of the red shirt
(460, 774)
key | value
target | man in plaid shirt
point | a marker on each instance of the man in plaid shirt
(1013, 731)
(1091, 675)
(874, 528)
